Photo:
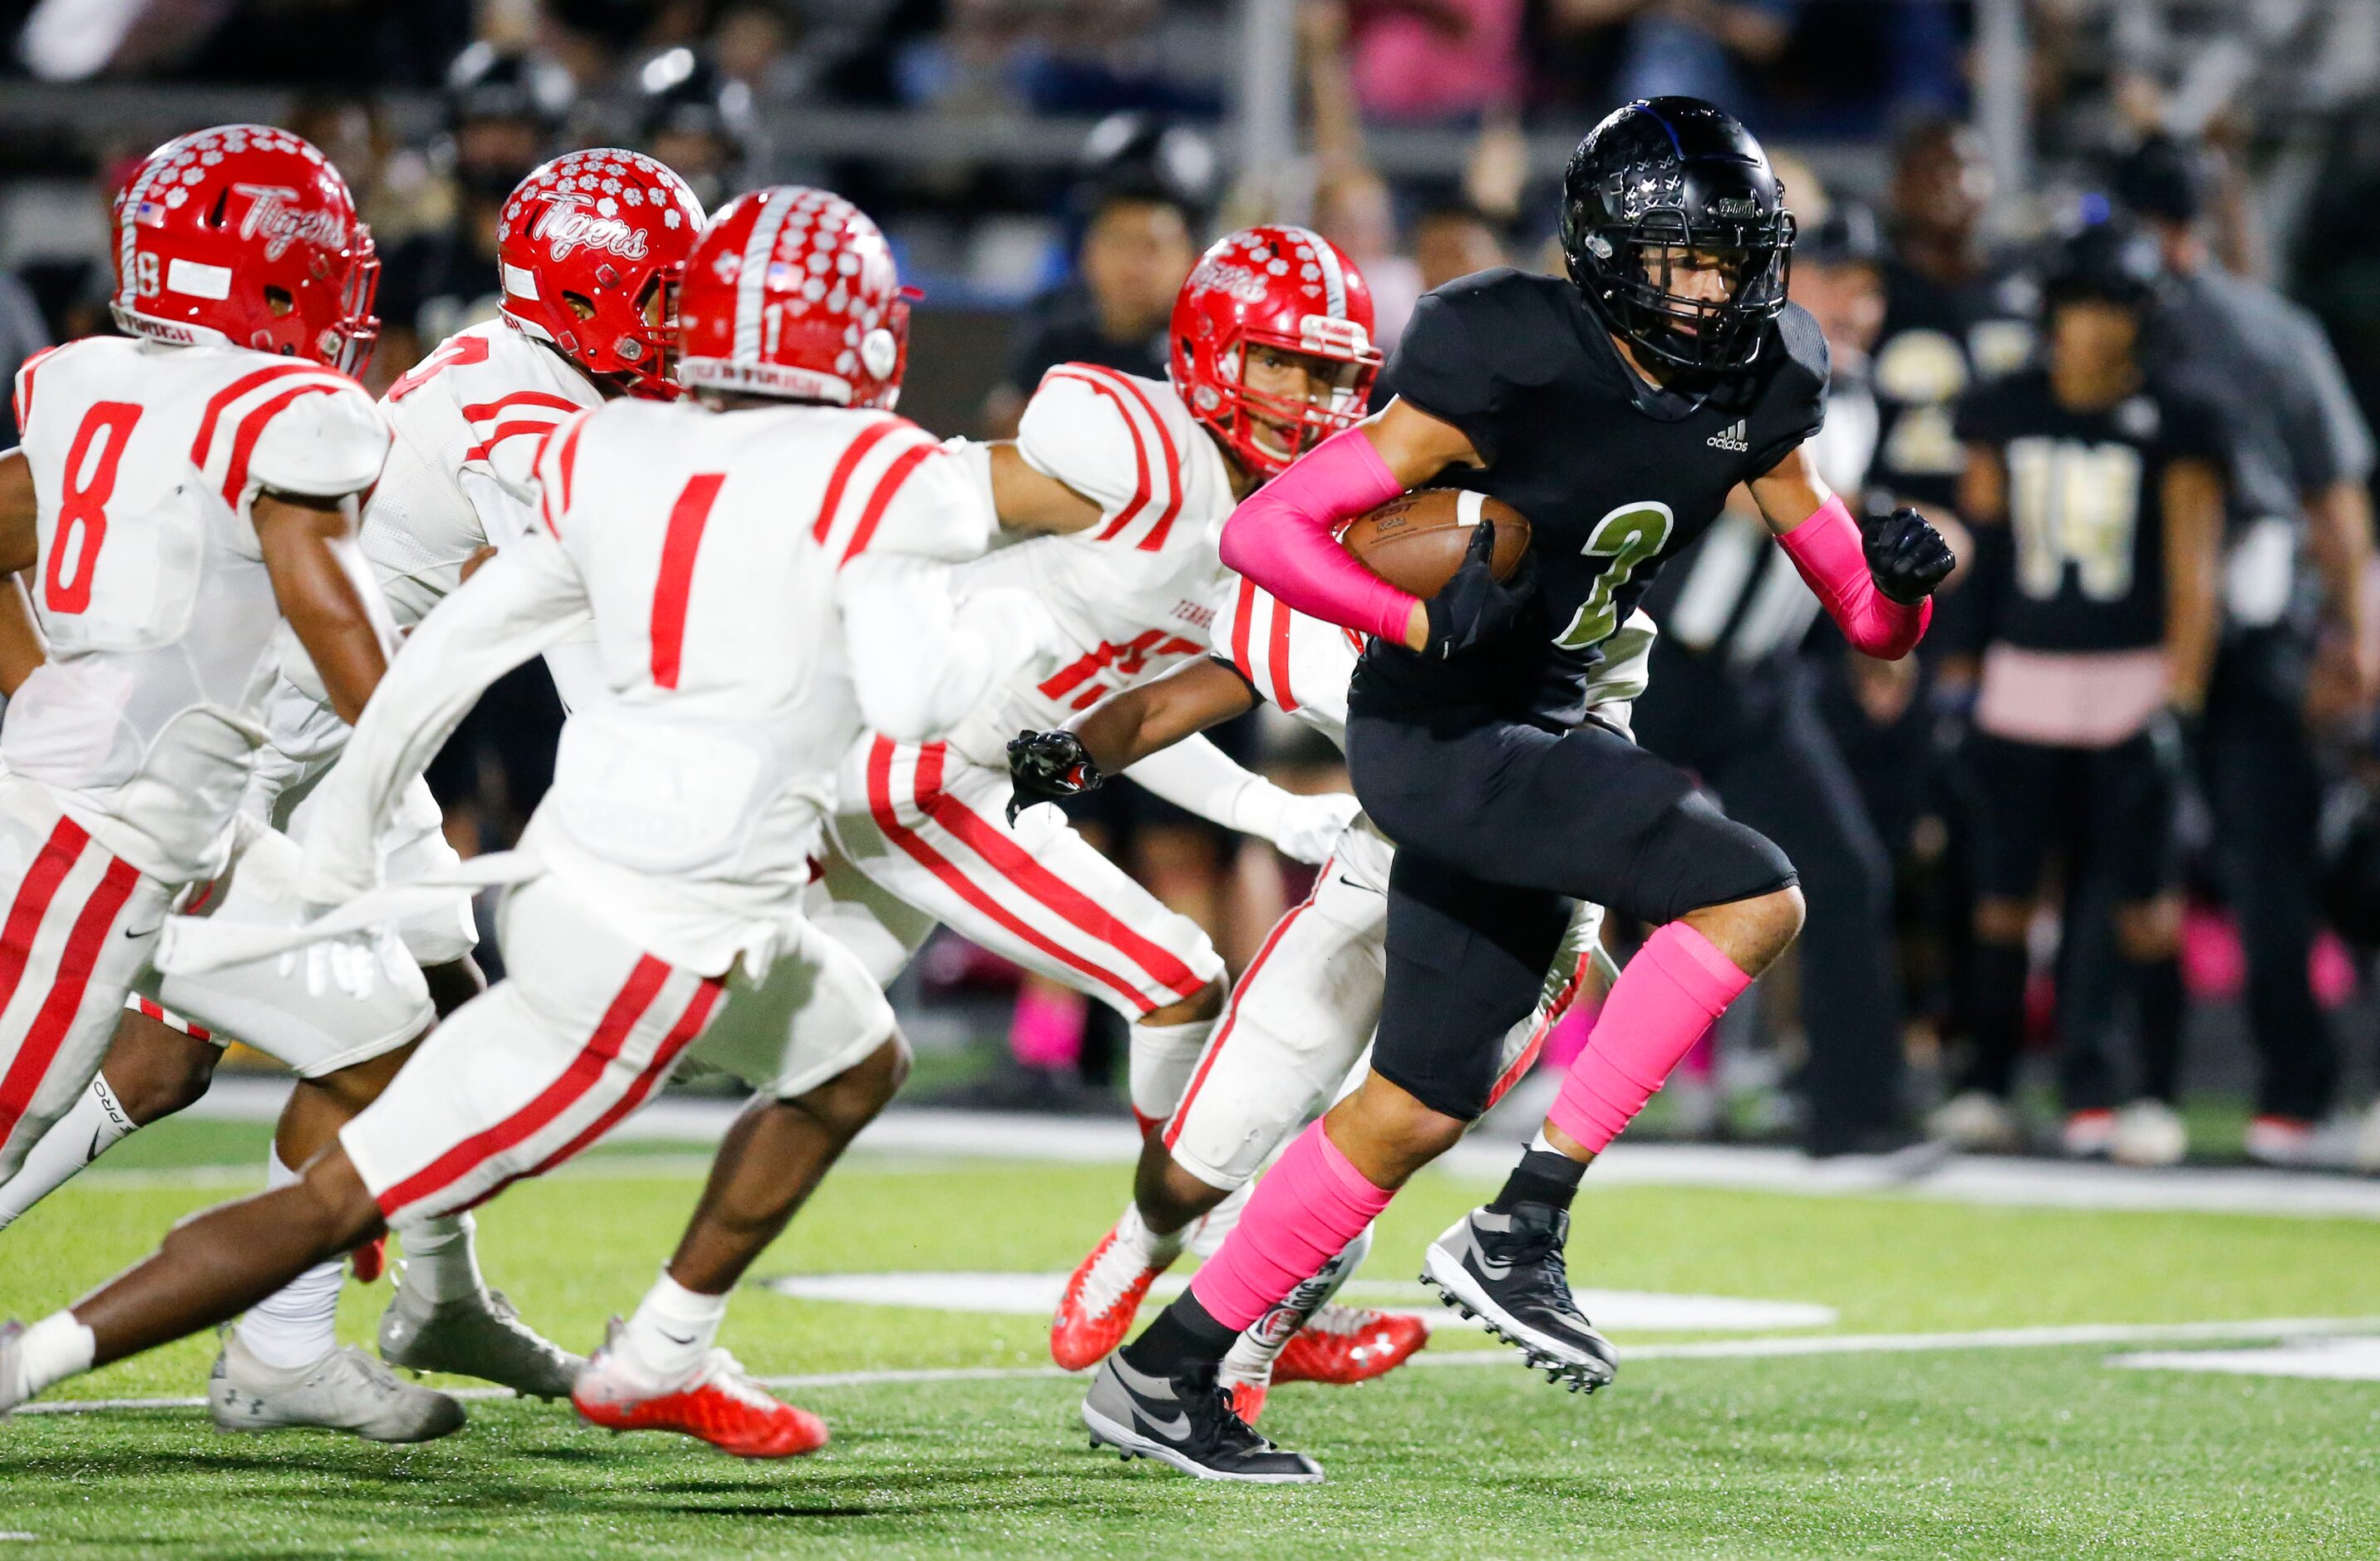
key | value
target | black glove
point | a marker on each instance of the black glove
(1906, 556)
(1049, 767)
(1474, 606)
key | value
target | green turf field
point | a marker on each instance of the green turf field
(1976, 1452)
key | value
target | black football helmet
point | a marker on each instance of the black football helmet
(1659, 180)
(2110, 260)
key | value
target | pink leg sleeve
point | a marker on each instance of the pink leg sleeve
(1665, 999)
(1305, 1210)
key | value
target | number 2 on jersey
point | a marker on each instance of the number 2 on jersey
(1628, 536)
(82, 508)
(674, 582)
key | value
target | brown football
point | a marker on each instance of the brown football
(1417, 542)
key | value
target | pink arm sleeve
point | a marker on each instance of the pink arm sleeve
(1827, 549)
(1283, 536)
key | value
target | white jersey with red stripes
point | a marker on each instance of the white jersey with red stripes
(692, 797)
(1130, 596)
(150, 586)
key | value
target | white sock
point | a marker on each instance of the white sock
(90, 1128)
(299, 1324)
(672, 1330)
(1132, 1234)
(1162, 1059)
(439, 1264)
(1207, 1234)
(50, 1351)
(1543, 1144)
(1251, 1355)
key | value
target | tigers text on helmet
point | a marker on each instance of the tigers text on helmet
(1664, 191)
(589, 252)
(791, 292)
(1284, 287)
(245, 234)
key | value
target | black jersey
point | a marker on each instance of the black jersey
(1614, 476)
(2083, 568)
(1937, 343)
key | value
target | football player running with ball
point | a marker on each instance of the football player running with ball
(1614, 410)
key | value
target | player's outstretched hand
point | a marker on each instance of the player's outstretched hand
(1906, 555)
(1475, 606)
(1049, 767)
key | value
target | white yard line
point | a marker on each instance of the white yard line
(1821, 1344)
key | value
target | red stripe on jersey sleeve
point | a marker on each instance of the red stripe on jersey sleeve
(25, 386)
(488, 411)
(553, 496)
(1141, 494)
(220, 403)
(1242, 615)
(508, 431)
(840, 479)
(887, 486)
(679, 546)
(1157, 533)
(251, 428)
(1283, 692)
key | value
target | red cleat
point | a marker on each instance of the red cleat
(370, 1260)
(1102, 1299)
(1247, 1400)
(721, 1405)
(1349, 1344)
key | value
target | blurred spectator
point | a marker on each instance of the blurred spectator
(1693, 48)
(1141, 199)
(1435, 60)
(2290, 667)
(695, 120)
(21, 336)
(1454, 239)
(503, 111)
(1733, 699)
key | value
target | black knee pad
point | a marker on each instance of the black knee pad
(1697, 857)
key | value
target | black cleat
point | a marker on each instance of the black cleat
(1507, 1269)
(1186, 1421)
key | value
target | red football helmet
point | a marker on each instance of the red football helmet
(245, 234)
(1288, 287)
(791, 292)
(607, 231)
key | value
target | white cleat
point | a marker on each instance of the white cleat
(481, 1336)
(12, 1365)
(2148, 1132)
(1978, 1120)
(2367, 1142)
(344, 1390)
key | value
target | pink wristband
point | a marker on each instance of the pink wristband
(1284, 537)
(1827, 549)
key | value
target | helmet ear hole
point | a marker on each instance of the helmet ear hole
(580, 305)
(279, 300)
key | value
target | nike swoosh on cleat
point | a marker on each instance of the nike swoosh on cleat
(1490, 1266)
(672, 1337)
(1177, 1426)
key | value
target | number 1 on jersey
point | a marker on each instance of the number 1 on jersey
(82, 509)
(674, 582)
(1628, 536)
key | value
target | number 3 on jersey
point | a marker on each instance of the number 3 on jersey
(1627, 538)
(82, 508)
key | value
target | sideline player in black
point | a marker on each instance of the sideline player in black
(2096, 494)
(1616, 410)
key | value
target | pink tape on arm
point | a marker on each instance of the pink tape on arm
(1284, 537)
(1669, 994)
(1827, 549)
(1304, 1212)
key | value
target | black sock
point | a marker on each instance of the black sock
(2159, 992)
(1542, 1177)
(1185, 1333)
(1998, 973)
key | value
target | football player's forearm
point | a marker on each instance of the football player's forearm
(1284, 537)
(20, 539)
(1024, 499)
(321, 597)
(1827, 550)
(1127, 727)
(22, 646)
(921, 659)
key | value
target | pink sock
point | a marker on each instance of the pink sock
(1657, 1009)
(1047, 1028)
(1305, 1210)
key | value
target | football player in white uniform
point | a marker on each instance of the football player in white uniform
(1302, 1013)
(590, 246)
(747, 630)
(184, 503)
(1125, 482)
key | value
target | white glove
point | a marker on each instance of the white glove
(1303, 829)
(353, 963)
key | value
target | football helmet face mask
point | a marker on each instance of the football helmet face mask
(1674, 228)
(791, 292)
(246, 235)
(590, 251)
(1290, 289)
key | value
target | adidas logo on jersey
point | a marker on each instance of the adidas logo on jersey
(1730, 438)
